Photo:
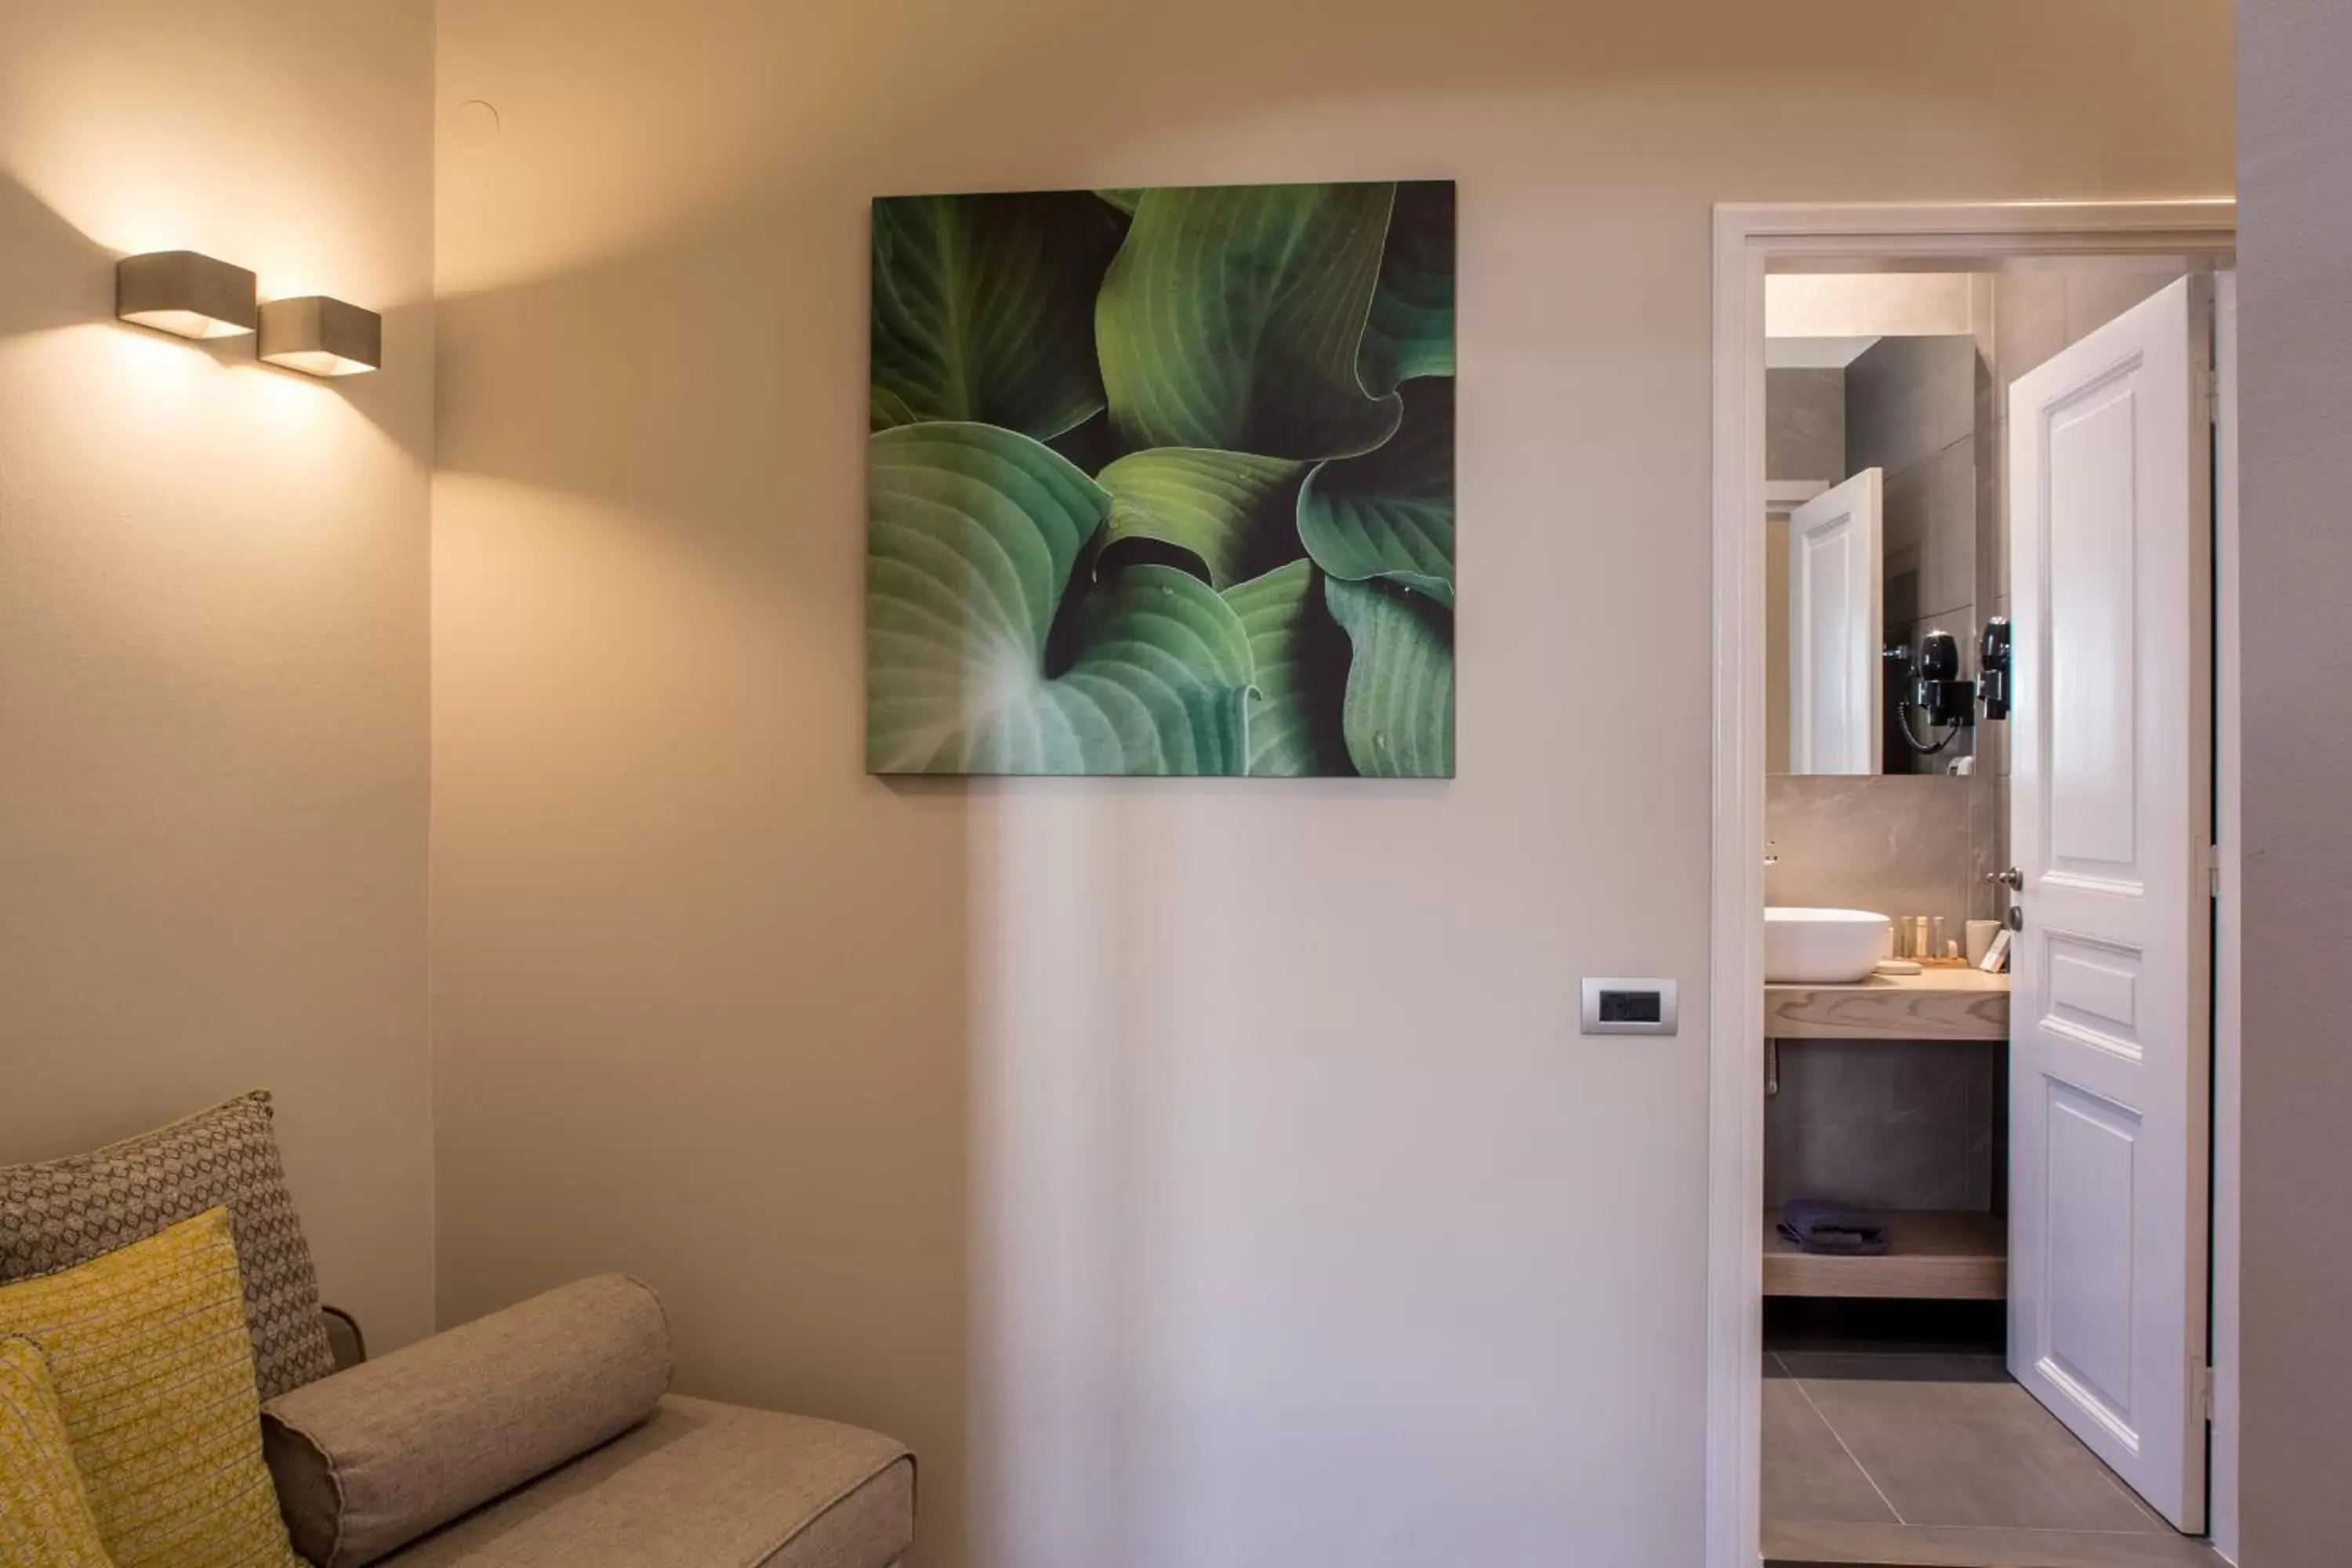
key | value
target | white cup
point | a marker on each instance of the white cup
(1980, 938)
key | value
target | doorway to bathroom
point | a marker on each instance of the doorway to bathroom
(1973, 1039)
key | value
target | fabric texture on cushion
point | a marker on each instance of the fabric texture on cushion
(700, 1485)
(60, 1212)
(147, 1351)
(372, 1458)
(45, 1517)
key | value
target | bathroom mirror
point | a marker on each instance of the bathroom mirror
(1879, 466)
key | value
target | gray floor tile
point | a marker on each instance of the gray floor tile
(1972, 1454)
(1879, 1366)
(1818, 1545)
(1807, 1475)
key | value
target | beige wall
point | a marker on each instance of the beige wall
(1199, 1173)
(213, 629)
(1869, 305)
(2295, 555)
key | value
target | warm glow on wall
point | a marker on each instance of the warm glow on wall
(319, 336)
(184, 293)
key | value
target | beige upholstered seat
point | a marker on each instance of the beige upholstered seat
(698, 1485)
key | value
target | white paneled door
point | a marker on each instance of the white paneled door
(1835, 592)
(2111, 819)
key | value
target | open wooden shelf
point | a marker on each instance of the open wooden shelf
(1932, 1255)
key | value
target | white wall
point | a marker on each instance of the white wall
(213, 627)
(2295, 554)
(1201, 1174)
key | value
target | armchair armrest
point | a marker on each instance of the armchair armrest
(344, 1337)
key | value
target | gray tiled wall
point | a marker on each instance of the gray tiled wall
(1901, 1124)
(1804, 424)
(1896, 844)
(1908, 399)
(1931, 527)
(1912, 410)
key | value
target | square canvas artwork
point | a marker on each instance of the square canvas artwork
(1161, 481)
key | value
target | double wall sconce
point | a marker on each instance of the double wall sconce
(194, 296)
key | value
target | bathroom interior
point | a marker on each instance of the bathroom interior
(1894, 1430)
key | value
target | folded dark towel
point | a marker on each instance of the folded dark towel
(1818, 1224)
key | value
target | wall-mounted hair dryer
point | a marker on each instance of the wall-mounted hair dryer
(1939, 692)
(1992, 666)
(1936, 690)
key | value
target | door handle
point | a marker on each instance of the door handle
(2014, 881)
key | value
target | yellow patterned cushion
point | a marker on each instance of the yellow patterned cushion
(45, 1519)
(147, 1352)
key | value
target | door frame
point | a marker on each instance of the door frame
(1751, 241)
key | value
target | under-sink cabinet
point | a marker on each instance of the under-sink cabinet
(1940, 1254)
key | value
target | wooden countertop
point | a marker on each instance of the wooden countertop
(1936, 1003)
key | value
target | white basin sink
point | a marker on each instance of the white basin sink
(1822, 947)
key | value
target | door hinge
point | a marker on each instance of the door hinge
(2209, 395)
(2200, 1392)
(2210, 857)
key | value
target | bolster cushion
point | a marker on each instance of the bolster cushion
(372, 1458)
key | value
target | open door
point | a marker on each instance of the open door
(2111, 817)
(1836, 590)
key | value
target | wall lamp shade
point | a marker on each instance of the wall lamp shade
(319, 336)
(184, 293)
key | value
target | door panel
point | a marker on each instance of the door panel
(2094, 993)
(2111, 757)
(1836, 590)
(2090, 586)
(2091, 1145)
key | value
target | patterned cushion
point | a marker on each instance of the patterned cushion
(64, 1212)
(147, 1351)
(44, 1518)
